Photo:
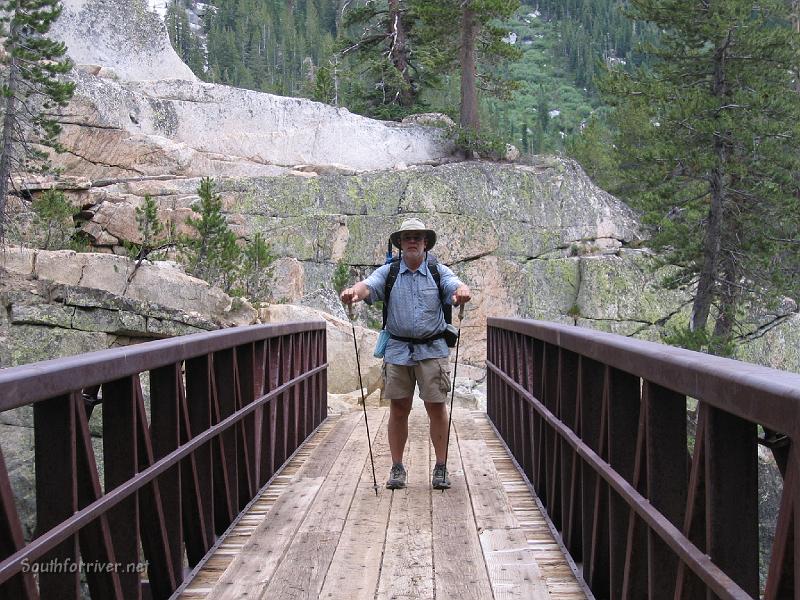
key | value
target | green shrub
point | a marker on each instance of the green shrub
(482, 143)
(53, 226)
(340, 276)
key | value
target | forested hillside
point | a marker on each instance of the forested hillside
(706, 123)
(295, 48)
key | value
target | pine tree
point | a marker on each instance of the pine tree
(708, 144)
(151, 232)
(31, 89)
(53, 227)
(211, 253)
(476, 42)
(256, 270)
(387, 55)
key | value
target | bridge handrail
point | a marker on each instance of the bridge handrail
(30, 383)
(227, 409)
(598, 423)
(694, 374)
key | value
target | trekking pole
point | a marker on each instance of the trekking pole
(453, 392)
(363, 399)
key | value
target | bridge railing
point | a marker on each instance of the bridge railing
(648, 504)
(226, 410)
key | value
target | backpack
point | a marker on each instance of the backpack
(394, 271)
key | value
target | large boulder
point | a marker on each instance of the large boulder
(117, 128)
(139, 111)
(343, 368)
(160, 283)
(125, 36)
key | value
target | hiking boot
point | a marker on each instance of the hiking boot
(397, 478)
(440, 480)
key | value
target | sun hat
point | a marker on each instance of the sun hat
(414, 225)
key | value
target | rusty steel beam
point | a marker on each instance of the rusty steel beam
(12, 539)
(55, 443)
(56, 459)
(47, 379)
(164, 544)
(758, 394)
(660, 525)
(226, 475)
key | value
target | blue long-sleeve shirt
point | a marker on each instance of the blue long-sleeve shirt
(414, 310)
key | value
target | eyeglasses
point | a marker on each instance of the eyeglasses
(412, 238)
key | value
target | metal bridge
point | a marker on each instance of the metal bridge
(210, 468)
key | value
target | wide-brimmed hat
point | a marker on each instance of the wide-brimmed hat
(414, 225)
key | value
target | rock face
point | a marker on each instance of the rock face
(125, 36)
(324, 186)
(139, 111)
(161, 284)
(61, 303)
(116, 128)
(517, 234)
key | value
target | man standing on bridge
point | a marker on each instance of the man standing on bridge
(416, 353)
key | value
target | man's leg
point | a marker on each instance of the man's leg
(437, 413)
(398, 427)
(434, 383)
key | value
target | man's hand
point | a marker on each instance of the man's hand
(349, 296)
(353, 294)
(462, 295)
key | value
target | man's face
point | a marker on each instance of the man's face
(412, 242)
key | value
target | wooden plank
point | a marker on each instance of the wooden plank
(328, 451)
(558, 576)
(465, 424)
(489, 500)
(407, 570)
(512, 566)
(302, 571)
(253, 568)
(250, 572)
(459, 568)
(356, 564)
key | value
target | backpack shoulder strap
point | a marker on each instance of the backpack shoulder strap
(394, 271)
(447, 308)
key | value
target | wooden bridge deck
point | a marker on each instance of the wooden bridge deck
(319, 531)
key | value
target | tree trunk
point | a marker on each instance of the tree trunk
(469, 73)
(728, 304)
(713, 241)
(794, 18)
(7, 147)
(711, 247)
(398, 51)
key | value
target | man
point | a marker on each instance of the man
(416, 353)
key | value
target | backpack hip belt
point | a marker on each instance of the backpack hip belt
(417, 341)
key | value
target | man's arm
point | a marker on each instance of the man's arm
(359, 291)
(458, 291)
(370, 289)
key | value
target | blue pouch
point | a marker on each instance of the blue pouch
(380, 347)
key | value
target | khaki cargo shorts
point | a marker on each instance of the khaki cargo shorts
(432, 375)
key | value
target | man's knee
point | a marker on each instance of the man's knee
(400, 408)
(436, 409)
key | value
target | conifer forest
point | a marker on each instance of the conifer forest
(686, 110)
